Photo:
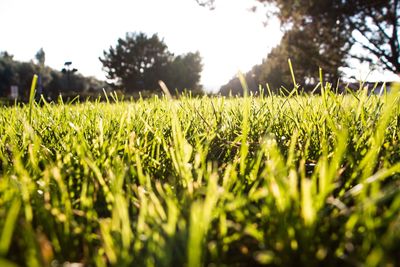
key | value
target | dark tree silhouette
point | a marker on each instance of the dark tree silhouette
(53, 82)
(184, 72)
(372, 25)
(138, 62)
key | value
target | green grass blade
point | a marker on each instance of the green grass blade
(32, 96)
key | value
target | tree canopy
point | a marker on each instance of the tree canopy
(40, 57)
(327, 34)
(370, 25)
(138, 62)
(184, 72)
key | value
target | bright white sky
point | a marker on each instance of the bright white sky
(230, 38)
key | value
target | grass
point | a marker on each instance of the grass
(298, 181)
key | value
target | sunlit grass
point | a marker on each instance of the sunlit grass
(299, 181)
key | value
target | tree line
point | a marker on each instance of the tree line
(52, 82)
(134, 65)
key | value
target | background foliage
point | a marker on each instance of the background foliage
(138, 62)
(53, 82)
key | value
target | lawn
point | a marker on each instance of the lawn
(268, 180)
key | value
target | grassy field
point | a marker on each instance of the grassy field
(297, 181)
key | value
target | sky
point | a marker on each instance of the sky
(230, 38)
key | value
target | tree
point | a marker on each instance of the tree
(184, 72)
(18, 73)
(43, 72)
(307, 55)
(234, 87)
(371, 25)
(40, 57)
(7, 73)
(137, 62)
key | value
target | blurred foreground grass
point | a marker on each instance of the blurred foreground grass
(299, 181)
